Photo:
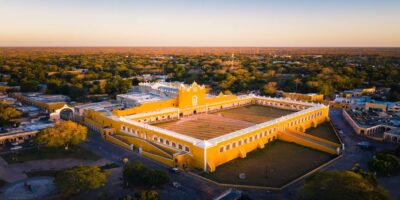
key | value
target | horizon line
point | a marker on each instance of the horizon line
(150, 46)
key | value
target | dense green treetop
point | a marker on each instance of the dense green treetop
(79, 179)
(341, 185)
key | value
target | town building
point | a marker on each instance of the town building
(50, 103)
(25, 131)
(303, 97)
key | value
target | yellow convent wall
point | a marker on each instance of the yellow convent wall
(175, 149)
(147, 107)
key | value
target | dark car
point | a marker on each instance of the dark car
(366, 146)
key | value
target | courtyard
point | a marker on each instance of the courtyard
(274, 166)
(324, 131)
(254, 113)
(208, 126)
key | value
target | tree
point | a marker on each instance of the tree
(139, 175)
(384, 163)
(297, 81)
(63, 134)
(79, 179)
(29, 86)
(147, 195)
(371, 177)
(341, 185)
(117, 85)
(7, 114)
(270, 88)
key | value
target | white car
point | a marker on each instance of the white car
(176, 184)
(16, 148)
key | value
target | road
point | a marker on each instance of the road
(194, 188)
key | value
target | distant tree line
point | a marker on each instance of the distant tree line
(114, 73)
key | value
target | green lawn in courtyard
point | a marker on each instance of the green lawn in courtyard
(325, 131)
(49, 153)
(275, 165)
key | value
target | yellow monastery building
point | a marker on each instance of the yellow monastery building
(191, 128)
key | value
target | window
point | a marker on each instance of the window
(240, 142)
(234, 145)
(250, 139)
(123, 127)
(173, 144)
(245, 140)
(228, 146)
(167, 142)
(161, 140)
(221, 149)
(260, 135)
(180, 147)
(255, 137)
(187, 148)
(155, 139)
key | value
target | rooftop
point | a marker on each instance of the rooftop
(46, 98)
(371, 118)
(394, 131)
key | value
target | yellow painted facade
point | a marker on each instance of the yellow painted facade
(50, 107)
(304, 97)
(132, 127)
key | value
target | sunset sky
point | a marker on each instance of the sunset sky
(200, 23)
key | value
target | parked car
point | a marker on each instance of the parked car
(176, 184)
(365, 145)
(16, 148)
(174, 170)
(15, 143)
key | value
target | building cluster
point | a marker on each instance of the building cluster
(148, 92)
(379, 120)
(36, 113)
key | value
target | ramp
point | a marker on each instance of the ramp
(309, 141)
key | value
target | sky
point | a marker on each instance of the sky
(260, 23)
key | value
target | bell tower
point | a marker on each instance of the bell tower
(191, 96)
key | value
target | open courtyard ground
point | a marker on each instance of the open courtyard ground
(254, 113)
(207, 126)
(275, 165)
(325, 131)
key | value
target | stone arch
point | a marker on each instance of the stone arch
(64, 113)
